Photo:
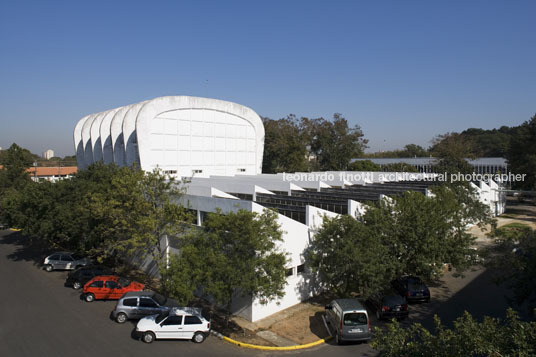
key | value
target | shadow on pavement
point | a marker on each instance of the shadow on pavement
(25, 250)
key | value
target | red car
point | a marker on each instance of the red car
(109, 287)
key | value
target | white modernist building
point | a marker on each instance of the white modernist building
(218, 145)
(181, 135)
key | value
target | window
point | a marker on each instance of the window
(197, 171)
(173, 320)
(96, 284)
(54, 257)
(123, 282)
(110, 284)
(355, 318)
(130, 302)
(66, 258)
(192, 320)
(290, 271)
(301, 269)
(241, 170)
(147, 302)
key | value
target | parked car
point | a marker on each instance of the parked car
(177, 323)
(109, 287)
(64, 261)
(81, 276)
(349, 320)
(413, 288)
(389, 305)
(138, 304)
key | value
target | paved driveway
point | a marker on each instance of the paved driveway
(41, 317)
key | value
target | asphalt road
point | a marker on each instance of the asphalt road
(41, 317)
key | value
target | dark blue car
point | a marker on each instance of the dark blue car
(412, 288)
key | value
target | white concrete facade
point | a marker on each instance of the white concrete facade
(182, 135)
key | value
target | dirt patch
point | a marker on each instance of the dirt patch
(303, 326)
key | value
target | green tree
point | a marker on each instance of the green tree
(452, 149)
(284, 146)
(468, 337)
(413, 150)
(422, 233)
(348, 258)
(333, 143)
(13, 174)
(522, 154)
(399, 167)
(512, 261)
(133, 212)
(240, 256)
(363, 165)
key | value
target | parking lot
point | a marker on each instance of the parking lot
(42, 317)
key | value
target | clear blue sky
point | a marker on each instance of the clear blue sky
(404, 71)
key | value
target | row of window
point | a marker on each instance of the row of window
(300, 269)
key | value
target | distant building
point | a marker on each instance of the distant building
(483, 165)
(48, 154)
(51, 173)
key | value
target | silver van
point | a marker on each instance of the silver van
(138, 304)
(348, 320)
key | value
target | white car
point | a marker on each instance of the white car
(178, 323)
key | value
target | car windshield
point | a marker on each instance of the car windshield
(355, 318)
(159, 299)
(160, 317)
(123, 282)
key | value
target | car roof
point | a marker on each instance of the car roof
(61, 253)
(196, 311)
(139, 293)
(349, 304)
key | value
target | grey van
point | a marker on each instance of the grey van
(138, 304)
(348, 320)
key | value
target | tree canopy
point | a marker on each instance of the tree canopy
(234, 254)
(304, 144)
(468, 337)
(408, 234)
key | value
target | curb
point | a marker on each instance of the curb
(269, 348)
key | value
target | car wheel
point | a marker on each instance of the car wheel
(49, 268)
(121, 318)
(338, 339)
(198, 337)
(90, 297)
(77, 285)
(148, 337)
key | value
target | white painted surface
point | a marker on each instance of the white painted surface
(199, 135)
(129, 134)
(116, 134)
(105, 136)
(78, 143)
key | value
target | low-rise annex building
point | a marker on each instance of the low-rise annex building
(218, 147)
